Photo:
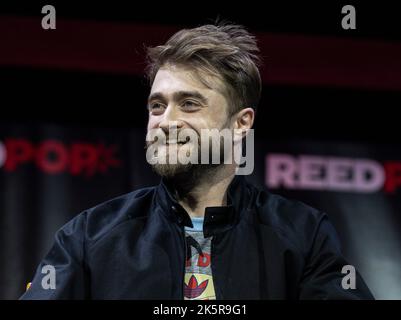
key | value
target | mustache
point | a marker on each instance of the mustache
(166, 140)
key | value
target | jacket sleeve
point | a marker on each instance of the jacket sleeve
(61, 274)
(323, 277)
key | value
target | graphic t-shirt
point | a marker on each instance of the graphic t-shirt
(198, 282)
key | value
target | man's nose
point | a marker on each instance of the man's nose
(170, 119)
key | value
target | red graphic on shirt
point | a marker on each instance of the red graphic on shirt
(193, 290)
(203, 260)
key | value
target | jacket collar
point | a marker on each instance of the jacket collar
(217, 219)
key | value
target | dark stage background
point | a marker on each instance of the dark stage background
(73, 119)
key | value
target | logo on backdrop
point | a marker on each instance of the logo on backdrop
(53, 156)
(314, 172)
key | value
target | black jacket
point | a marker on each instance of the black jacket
(133, 247)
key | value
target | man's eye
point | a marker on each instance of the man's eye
(155, 107)
(190, 104)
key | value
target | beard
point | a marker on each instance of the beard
(169, 171)
(187, 172)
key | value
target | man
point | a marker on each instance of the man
(204, 232)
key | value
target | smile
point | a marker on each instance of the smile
(176, 142)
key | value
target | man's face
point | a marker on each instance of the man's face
(177, 95)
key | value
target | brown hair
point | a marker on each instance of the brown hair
(224, 50)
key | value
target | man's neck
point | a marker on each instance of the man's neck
(210, 190)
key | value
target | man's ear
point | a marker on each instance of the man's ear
(244, 120)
